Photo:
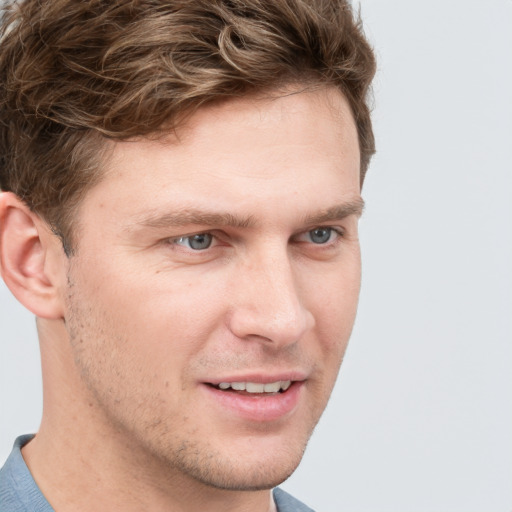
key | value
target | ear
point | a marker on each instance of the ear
(28, 254)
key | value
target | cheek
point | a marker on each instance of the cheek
(161, 320)
(334, 304)
(334, 307)
(131, 357)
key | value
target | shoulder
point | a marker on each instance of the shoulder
(287, 503)
(18, 490)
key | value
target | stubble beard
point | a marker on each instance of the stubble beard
(214, 470)
(151, 442)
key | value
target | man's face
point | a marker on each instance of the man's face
(214, 287)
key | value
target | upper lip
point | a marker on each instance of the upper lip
(260, 378)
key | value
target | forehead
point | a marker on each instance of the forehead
(233, 153)
(319, 104)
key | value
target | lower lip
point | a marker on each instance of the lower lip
(258, 407)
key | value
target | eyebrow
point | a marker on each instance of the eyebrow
(338, 212)
(190, 216)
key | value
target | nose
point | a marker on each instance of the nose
(268, 302)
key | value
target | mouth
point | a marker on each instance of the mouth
(254, 388)
(272, 400)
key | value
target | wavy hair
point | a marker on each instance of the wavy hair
(75, 72)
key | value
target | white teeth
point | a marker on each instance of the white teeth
(273, 387)
(252, 387)
(256, 387)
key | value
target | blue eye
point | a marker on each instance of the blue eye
(320, 235)
(198, 242)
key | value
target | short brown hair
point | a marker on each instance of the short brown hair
(75, 72)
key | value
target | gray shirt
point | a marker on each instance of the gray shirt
(20, 493)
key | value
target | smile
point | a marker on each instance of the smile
(256, 401)
(256, 387)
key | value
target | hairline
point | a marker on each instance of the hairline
(169, 133)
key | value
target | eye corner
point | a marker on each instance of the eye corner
(194, 242)
(321, 236)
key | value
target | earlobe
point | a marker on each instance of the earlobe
(25, 246)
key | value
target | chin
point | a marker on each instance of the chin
(233, 471)
(244, 477)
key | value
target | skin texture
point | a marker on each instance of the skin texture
(139, 323)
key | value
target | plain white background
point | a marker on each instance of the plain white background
(421, 418)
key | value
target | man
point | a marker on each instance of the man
(181, 196)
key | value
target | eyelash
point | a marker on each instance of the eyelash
(337, 232)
